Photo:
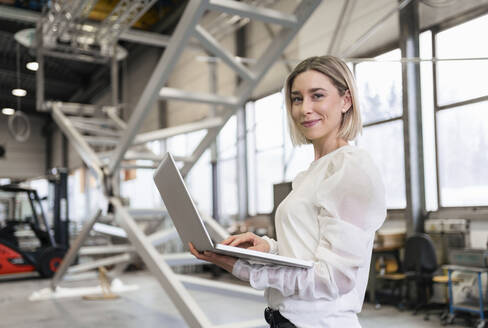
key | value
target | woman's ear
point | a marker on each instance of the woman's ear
(347, 101)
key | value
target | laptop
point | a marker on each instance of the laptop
(190, 226)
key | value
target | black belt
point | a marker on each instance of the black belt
(276, 320)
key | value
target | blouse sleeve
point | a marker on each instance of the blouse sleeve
(273, 245)
(351, 207)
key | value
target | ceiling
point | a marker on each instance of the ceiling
(81, 82)
(67, 80)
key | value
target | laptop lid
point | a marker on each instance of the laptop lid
(190, 225)
(180, 206)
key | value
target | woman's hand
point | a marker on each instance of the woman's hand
(248, 240)
(223, 261)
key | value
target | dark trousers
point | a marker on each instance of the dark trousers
(276, 320)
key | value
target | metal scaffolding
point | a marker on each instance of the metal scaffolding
(105, 144)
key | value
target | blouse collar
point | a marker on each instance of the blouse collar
(328, 155)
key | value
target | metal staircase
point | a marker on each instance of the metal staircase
(106, 143)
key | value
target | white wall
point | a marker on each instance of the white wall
(135, 79)
(26, 159)
(138, 73)
(74, 159)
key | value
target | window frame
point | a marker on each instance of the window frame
(392, 212)
(252, 206)
(435, 30)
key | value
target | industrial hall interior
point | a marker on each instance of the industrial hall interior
(243, 163)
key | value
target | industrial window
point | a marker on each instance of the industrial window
(381, 108)
(199, 179)
(385, 144)
(297, 159)
(463, 155)
(461, 115)
(459, 80)
(227, 166)
(380, 87)
(271, 157)
(137, 184)
(265, 150)
(199, 182)
(77, 195)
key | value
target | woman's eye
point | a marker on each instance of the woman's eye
(317, 95)
(296, 99)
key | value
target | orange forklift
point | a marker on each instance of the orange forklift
(27, 243)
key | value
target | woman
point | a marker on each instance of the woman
(331, 214)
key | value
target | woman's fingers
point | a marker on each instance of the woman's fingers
(247, 240)
(194, 251)
(223, 261)
(243, 238)
(236, 240)
(201, 256)
(206, 255)
(229, 240)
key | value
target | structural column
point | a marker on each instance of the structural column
(241, 160)
(40, 69)
(214, 149)
(412, 119)
(114, 77)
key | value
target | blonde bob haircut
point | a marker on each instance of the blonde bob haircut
(342, 78)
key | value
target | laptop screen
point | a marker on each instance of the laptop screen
(180, 206)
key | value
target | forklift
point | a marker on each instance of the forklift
(21, 211)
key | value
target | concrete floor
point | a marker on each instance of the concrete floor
(150, 307)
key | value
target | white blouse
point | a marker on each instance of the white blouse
(330, 217)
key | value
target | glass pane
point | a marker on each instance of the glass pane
(23, 207)
(4, 207)
(177, 145)
(193, 139)
(299, 160)
(154, 146)
(463, 155)
(77, 195)
(199, 182)
(141, 191)
(180, 145)
(269, 113)
(227, 139)
(228, 188)
(41, 186)
(269, 171)
(380, 87)
(385, 144)
(462, 80)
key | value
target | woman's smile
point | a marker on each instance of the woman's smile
(310, 123)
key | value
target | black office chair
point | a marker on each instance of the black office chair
(420, 264)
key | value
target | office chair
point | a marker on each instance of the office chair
(420, 263)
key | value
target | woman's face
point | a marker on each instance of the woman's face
(316, 106)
